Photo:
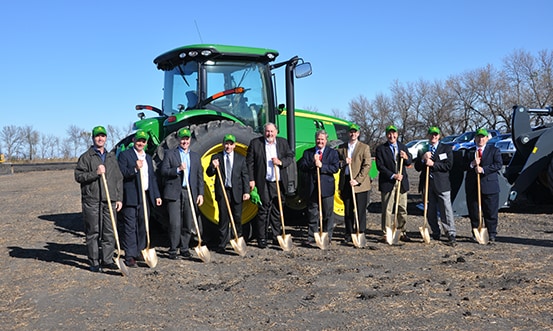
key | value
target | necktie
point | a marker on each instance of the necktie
(480, 153)
(432, 151)
(228, 171)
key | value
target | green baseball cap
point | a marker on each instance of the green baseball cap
(141, 134)
(482, 132)
(184, 132)
(433, 129)
(99, 130)
(229, 137)
(391, 128)
(354, 127)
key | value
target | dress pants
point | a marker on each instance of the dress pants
(133, 234)
(314, 220)
(440, 202)
(269, 213)
(490, 208)
(225, 230)
(361, 199)
(388, 206)
(181, 223)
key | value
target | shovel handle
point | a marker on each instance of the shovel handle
(320, 200)
(354, 201)
(227, 203)
(398, 192)
(193, 209)
(145, 206)
(279, 199)
(111, 214)
(426, 194)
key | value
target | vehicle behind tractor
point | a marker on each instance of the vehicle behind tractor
(216, 90)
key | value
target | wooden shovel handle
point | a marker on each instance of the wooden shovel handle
(279, 200)
(227, 203)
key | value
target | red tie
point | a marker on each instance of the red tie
(480, 153)
(319, 154)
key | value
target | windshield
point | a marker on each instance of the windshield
(234, 87)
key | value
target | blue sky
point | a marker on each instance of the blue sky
(89, 63)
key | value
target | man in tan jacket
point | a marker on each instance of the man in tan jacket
(356, 156)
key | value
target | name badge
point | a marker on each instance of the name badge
(442, 156)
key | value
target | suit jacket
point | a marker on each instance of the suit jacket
(174, 180)
(132, 195)
(256, 160)
(239, 177)
(443, 162)
(386, 166)
(331, 164)
(360, 167)
(491, 162)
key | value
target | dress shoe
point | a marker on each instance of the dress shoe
(131, 262)
(220, 250)
(262, 243)
(95, 268)
(185, 253)
(308, 243)
(491, 241)
(436, 236)
(172, 255)
(347, 240)
(405, 238)
(451, 241)
(110, 266)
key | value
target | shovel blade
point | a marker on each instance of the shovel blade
(321, 240)
(425, 234)
(122, 266)
(359, 240)
(389, 236)
(478, 235)
(203, 253)
(285, 242)
(239, 246)
(150, 257)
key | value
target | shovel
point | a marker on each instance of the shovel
(358, 238)
(149, 254)
(120, 264)
(480, 233)
(392, 235)
(284, 240)
(202, 251)
(238, 243)
(424, 228)
(321, 238)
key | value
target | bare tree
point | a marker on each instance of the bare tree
(11, 138)
(78, 139)
(48, 146)
(30, 140)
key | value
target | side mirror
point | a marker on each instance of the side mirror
(303, 70)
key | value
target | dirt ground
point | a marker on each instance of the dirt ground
(46, 283)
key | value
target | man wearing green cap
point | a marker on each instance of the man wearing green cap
(183, 173)
(437, 160)
(388, 157)
(236, 182)
(138, 173)
(484, 161)
(99, 232)
(356, 156)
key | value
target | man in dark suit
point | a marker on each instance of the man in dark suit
(234, 176)
(133, 224)
(485, 161)
(438, 160)
(180, 162)
(263, 154)
(388, 155)
(327, 161)
(355, 155)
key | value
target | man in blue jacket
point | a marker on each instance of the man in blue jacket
(131, 161)
(327, 161)
(484, 161)
(178, 163)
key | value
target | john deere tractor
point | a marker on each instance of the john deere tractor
(215, 90)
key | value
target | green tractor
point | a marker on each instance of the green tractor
(215, 90)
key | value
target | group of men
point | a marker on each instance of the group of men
(435, 163)
(131, 176)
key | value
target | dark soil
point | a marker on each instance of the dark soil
(46, 283)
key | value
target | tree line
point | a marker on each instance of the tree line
(26, 143)
(483, 97)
